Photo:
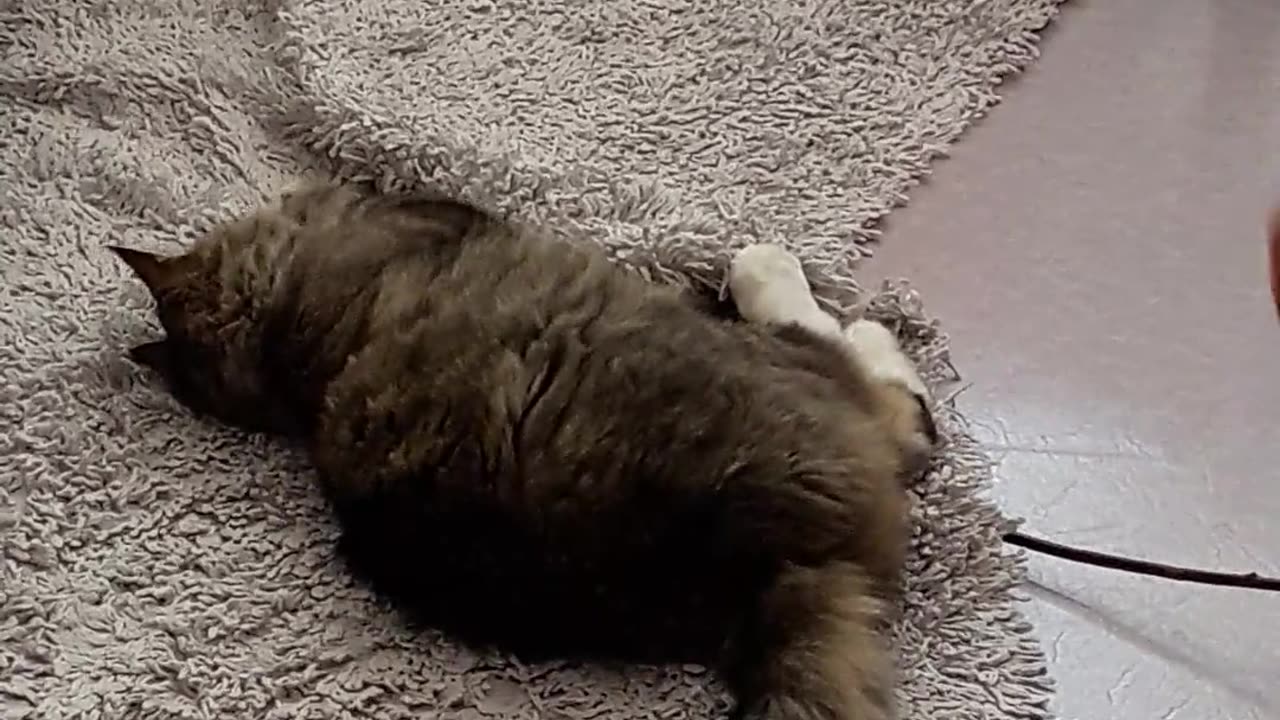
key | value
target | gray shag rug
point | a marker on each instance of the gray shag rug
(156, 566)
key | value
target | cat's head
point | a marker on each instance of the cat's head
(210, 355)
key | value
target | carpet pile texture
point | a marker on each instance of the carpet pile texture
(156, 566)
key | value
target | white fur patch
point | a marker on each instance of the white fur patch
(880, 354)
(769, 288)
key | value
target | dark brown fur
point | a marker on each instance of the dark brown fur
(530, 446)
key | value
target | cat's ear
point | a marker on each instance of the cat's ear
(153, 270)
(154, 355)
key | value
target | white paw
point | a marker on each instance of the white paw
(880, 355)
(769, 287)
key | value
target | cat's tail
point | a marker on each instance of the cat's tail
(814, 650)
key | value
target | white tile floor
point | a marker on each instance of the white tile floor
(1095, 249)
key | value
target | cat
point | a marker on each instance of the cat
(528, 445)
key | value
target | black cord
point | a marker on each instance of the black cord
(1251, 581)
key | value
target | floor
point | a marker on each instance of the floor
(1095, 249)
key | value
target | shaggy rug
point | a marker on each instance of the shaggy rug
(156, 566)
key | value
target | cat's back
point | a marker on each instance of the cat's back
(550, 373)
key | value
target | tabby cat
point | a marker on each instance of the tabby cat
(530, 446)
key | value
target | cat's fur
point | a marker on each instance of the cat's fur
(530, 446)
